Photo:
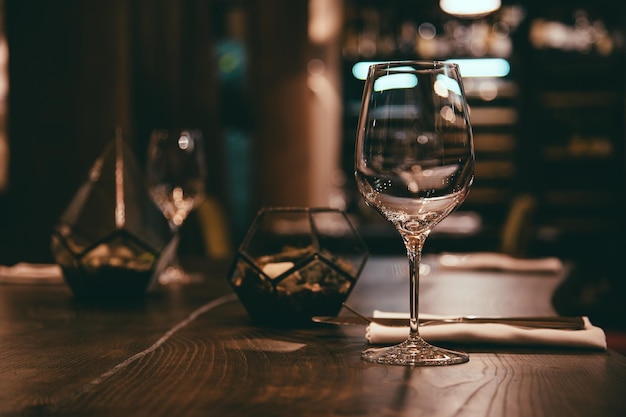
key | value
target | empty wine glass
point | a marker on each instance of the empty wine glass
(414, 164)
(176, 172)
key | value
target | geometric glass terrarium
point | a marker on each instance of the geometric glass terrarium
(112, 240)
(296, 263)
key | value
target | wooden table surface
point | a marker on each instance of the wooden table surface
(192, 351)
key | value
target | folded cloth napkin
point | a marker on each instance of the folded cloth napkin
(499, 261)
(591, 337)
(27, 273)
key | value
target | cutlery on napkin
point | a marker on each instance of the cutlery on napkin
(499, 261)
(591, 337)
(538, 322)
(27, 273)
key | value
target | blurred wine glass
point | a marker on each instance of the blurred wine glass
(176, 173)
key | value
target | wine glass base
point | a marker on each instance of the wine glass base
(176, 275)
(414, 352)
(173, 274)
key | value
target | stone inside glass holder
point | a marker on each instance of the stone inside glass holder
(297, 263)
(112, 240)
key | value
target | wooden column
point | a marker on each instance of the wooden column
(278, 85)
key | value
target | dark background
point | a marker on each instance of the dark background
(79, 69)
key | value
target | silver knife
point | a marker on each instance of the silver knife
(542, 322)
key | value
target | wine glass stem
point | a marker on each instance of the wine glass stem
(414, 245)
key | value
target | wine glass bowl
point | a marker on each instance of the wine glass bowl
(176, 172)
(414, 164)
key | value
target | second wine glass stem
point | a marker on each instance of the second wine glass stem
(414, 245)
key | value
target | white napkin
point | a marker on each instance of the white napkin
(591, 337)
(27, 273)
(499, 261)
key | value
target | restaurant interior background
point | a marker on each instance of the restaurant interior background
(276, 87)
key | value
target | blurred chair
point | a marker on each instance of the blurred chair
(214, 228)
(518, 228)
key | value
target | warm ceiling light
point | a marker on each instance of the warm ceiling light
(469, 8)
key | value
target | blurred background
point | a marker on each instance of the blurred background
(276, 88)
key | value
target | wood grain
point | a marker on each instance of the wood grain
(193, 351)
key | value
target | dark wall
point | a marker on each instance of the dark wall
(79, 69)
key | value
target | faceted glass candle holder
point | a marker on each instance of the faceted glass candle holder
(297, 263)
(112, 240)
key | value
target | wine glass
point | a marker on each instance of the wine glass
(176, 171)
(414, 163)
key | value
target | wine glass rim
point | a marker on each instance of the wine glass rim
(413, 65)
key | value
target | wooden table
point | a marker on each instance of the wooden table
(192, 351)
